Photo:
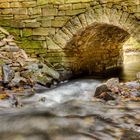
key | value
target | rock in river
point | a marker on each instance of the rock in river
(8, 74)
(100, 89)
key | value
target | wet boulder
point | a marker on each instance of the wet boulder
(7, 74)
(101, 88)
(107, 96)
(113, 82)
(31, 67)
(103, 92)
(44, 80)
(17, 81)
(51, 72)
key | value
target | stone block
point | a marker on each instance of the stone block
(34, 11)
(17, 24)
(6, 17)
(34, 16)
(46, 23)
(39, 38)
(7, 0)
(43, 31)
(83, 20)
(15, 4)
(71, 28)
(20, 11)
(42, 2)
(64, 35)
(21, 17)
(29, 4)
(67, 32)
(32, 24)
(123, 18)
(57, 23)
(49, 12)
(57, 1)
(65, 7)
(75, 12)
(76, 23)
(90, 16)
(52, 45)
(64, 18)
(42, 18)
(61, 13)
(7, 11)
(5, 5)
(76, 1)
(59, 40)
(77, 6)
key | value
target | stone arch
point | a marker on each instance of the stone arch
(112, 17)
(100, 14)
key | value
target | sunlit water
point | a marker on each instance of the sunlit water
(69, 112)
(131, 66)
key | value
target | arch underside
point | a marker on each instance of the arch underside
(92, 41)
(96, 49)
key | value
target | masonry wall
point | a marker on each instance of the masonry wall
(37, 23)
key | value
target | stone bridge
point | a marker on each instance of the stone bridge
(78, 35)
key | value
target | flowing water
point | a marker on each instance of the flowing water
(69, 112)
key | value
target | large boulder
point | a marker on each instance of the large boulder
(100, 89)
(51, 72)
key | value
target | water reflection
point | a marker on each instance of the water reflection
(131, 66)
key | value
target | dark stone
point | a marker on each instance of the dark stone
(17, 81)
(8, 74)
(44, 80)
(100, 89)
(106, 96)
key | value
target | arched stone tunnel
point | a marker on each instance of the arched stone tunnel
(97, 49)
